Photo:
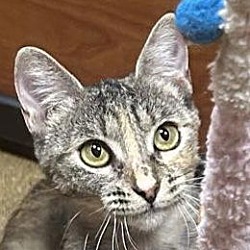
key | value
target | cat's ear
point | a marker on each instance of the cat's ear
(41, 85)
(165, 50)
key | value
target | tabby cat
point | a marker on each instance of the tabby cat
(119, 157)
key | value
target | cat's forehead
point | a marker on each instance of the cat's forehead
(116, 101)
(136, 93)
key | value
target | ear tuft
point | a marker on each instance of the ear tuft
(165, 50)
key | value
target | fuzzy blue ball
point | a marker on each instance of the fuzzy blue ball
(198, 20)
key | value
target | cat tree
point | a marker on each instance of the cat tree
(225, 223)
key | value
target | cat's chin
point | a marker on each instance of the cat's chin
(148, 221)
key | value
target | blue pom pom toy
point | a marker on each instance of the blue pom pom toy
(199, 21)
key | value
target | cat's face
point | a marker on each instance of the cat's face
(132, 141)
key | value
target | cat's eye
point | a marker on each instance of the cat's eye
(95, 153)
(167, 137)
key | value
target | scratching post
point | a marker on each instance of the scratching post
(225, 224)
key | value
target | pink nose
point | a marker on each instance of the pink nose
(149, 195)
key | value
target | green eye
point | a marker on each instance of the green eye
(95, 153)
(167, 137)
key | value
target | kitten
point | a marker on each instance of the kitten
(120, 157)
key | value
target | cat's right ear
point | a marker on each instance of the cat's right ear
(165, 51)
(42, 85)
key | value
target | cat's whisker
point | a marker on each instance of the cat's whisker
(69, 225)
(183, 174)
(86, 242)
(97, 211)
(194, 205)
(192, 198)
(195, 210)
(116, 237)
(186, 225)
(175, 173)
(114, 232)
(190, 217)
(102, 232)
(190, 180)
(101, 226)
(196, 178)
(131, 240)
(185, 182)
(123, 237)
(194, 185)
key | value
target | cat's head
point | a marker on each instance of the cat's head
(132, 141)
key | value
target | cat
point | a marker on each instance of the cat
(120, 157)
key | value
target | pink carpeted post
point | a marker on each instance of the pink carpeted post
(225, 198)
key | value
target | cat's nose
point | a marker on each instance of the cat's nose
(150, 194)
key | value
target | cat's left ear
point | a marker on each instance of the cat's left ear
(165, 51)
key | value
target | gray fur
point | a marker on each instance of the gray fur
(66, 210)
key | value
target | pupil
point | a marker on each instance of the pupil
(164, 134)
(96, 150)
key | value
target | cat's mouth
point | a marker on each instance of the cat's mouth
(154, 209)
(131, 208)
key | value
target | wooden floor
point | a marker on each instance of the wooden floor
(94, 39)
